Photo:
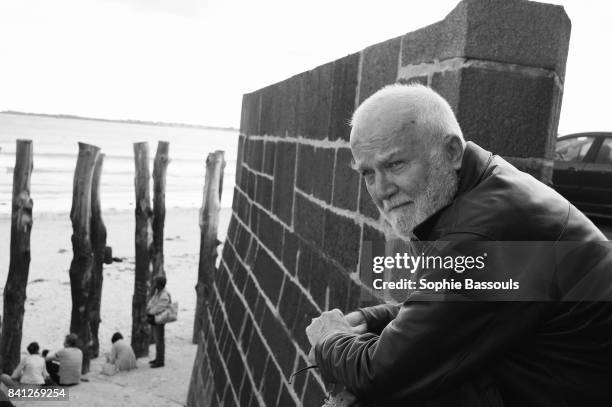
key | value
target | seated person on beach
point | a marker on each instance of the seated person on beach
(31, 370)
(70, 360)
(122, 354)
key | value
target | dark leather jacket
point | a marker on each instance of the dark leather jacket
(556, 351)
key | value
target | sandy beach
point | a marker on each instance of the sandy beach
(47, 309)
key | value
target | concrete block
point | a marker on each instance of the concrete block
(290, 246)
(309, 220)
(280, 343)
(271, 234)
(305, 180)
(263, 192)
(249, 121)
(344, 91)
(270, 385)
(315, 102)
(341, 239)
(379, 67)
(346, 181)
(508, 113)
(366, 205)
(268, 161)
(322, 172)
(269, 275)
(284, 169)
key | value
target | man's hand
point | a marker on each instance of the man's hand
(328, 323)
(357, 322)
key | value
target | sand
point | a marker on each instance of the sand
(47, 309)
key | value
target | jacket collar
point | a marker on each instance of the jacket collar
(474, 164)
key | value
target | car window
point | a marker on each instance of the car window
(604, 156)
(573, 149)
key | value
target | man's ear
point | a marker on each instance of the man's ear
(453, 148)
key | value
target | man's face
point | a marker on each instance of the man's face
(408, 178)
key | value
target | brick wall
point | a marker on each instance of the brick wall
(302, 218)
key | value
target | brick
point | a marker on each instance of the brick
(231, 229)
(325, 276)
(366, 205)
(257, 155)
(251, 254)
(309, 220)
(322, 173)
(244, 239)
(235, 367)
(260, 307)
(245, 335)
(448, 85)
(256, 358)
(269, 275)
(315, 102)
(280, 344)
(254, 219)
(343, 96)
(240, 276)
(284, 169)
(251, 186)
(438, 41)
(249, 121)
(270, 118)
(341, 239)
(291, 112)
(285, 399)
(271, 234)
(244, 208)
(269, 154)
(235, 315)
(379, 67)
(346, 181)
(244, 181)
(313, 394)
(239, 157)
(289, 300)
(305, 157)
(263, 193)
(250, 293)
(304, 265)
(271, 385)
(289, 255)
(509, 113)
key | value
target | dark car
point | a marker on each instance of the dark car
(583, 172)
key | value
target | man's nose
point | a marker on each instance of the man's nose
(384, 187)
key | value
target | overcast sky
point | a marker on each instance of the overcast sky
(190, 61)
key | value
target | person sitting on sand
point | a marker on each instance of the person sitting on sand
(70, 359)
(122, 354)
(31, 369)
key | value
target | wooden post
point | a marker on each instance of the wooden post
(81, 267)
(19, 264)
(98, 241)
(140, 327)
(160, 165)
(209, 221)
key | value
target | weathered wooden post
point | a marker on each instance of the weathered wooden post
(81, 267)
(160, 165)
(140, 327)
(19, 264)
(98, 241)
(209, 221)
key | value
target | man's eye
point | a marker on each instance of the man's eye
(395, 165)
(368, 175)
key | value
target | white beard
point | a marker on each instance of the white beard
(442, 185)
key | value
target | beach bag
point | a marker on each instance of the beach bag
(168, 315)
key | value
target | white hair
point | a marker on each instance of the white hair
(423, 105)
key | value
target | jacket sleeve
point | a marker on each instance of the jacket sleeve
(379, 316)
(436, 342)
(428, 348)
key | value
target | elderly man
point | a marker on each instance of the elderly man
(430, 185)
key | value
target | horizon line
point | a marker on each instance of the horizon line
(126, 121)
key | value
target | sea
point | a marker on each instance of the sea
(55, 150)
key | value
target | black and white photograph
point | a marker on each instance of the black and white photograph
(211, 203)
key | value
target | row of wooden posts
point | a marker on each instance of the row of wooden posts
(89, 246)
